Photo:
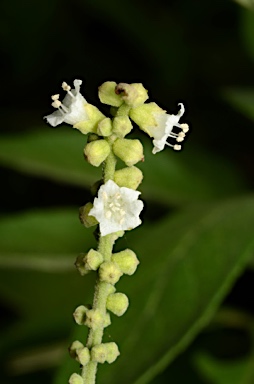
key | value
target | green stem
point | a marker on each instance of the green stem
(105, 247)
(110, 163)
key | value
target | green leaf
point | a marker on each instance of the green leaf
(225, 372)
(242, 99)
(173, 178)
(188, 264)
(36, 242)
(38, 278)
(52, 153)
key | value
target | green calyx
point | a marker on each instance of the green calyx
(107, 94)
(109, 272)
(129, 151)
(143, 115)
(122, 125)
(96, 152)
(132, 94)
(117, 303)
(85, 219)
(127, 261)
(94, 117)
(106, 352)
(129, 177)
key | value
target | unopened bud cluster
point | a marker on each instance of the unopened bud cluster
(116, 206)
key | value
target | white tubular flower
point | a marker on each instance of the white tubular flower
(164, 129)
(71, 110)
(116, 208)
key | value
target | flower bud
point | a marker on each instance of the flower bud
(107, 94)
(129, 177)
(144, 117)
(112, 352)
(93, 260)
(132, 94)
(83, 356)
(117, 303)
(94, 319)
(76, 379)
(122, 126)
(80, 314)
(126, 260)
(105, 352)
(99, 353)
(94, 117)
(109, 272)
(85, 219)
(105, 127)
(96, 152)
(74, 347)
(129, 151)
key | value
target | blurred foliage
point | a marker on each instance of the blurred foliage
(191, 313)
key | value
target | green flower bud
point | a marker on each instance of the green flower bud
(76, 379)
(112, 352)
(93, 260)
(105, 127)
(86, 220)
(129, 177)
(117, 303)
(96, 152)
(99, 353)
(132, 94)
(126, 260)
(109, 272)
(107, 94)
(143, 116)
(94, 117)
(130, 151)
(107, 320)
(88, 262)
(122, 126)
(74, 347)
(94, 319)
(80, 314)
(83, 356)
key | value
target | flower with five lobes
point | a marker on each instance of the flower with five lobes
(164, 130)
(159, 125)
(116, 208)
(71, 110)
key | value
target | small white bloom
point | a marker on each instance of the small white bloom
(164, 129)
(71, 110)
(116, 208)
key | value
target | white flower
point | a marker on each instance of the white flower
(72, 109)
(164, 129)
(116, 208)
